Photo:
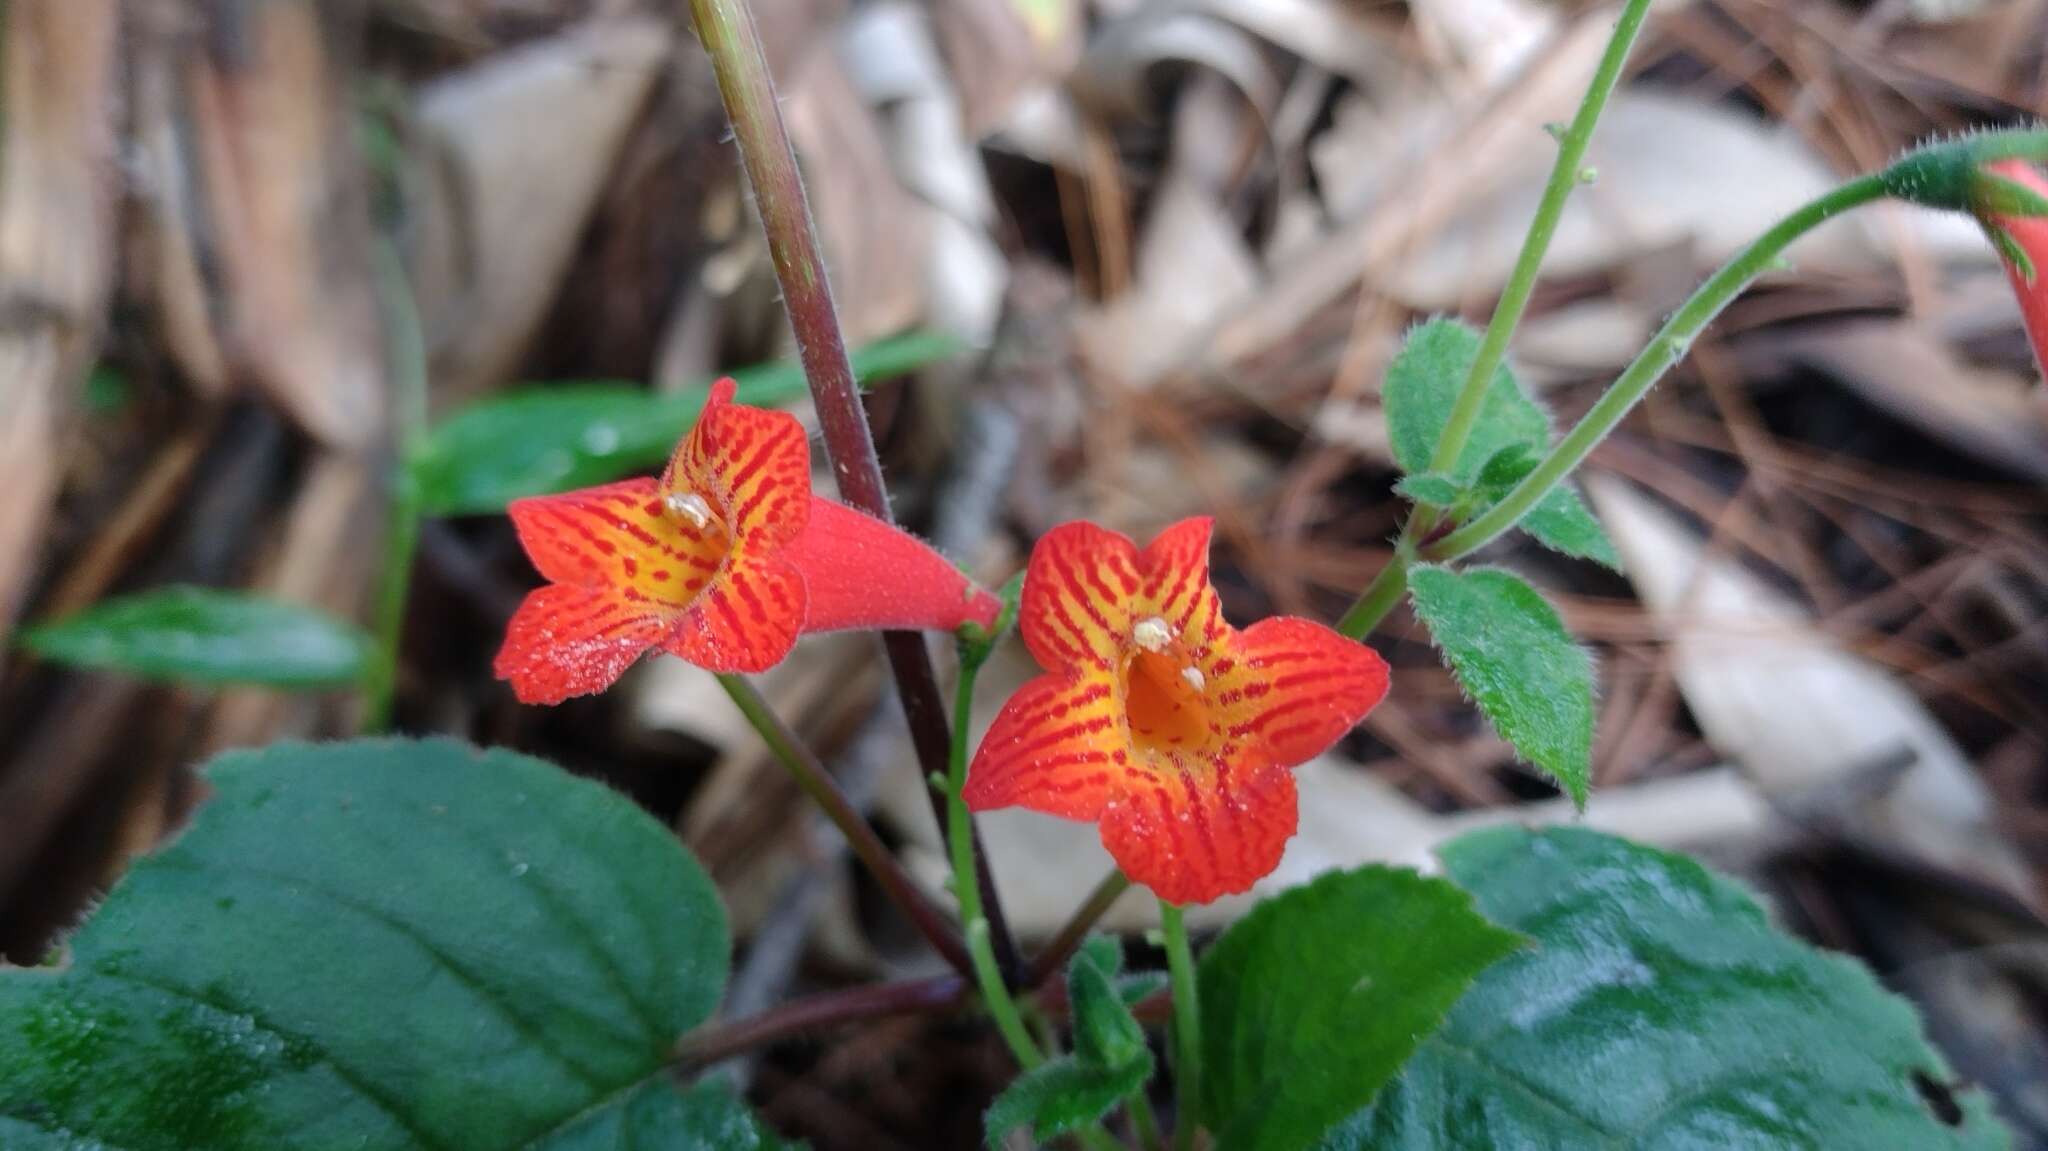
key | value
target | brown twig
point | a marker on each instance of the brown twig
(722, 1041)
(727, 30)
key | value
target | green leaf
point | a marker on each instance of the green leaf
(1432, 488)
(1513, 656)
(1422, 386)
(1105, 1034)
(542, 440)
(1509, 438)
(1661, 1011)
(201, 635)
(1063, 1095)
(378, 946)
(1563, 523)
(1311, 1003)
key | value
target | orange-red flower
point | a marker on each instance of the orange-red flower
(723, 561)
(1156, 717)
(2030, 235)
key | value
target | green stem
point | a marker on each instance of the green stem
(407, 349)
(1665, 348)
(1379, 596)
(995, 992)
(1564, 177)
(1187, 1024)
(868, 847)
(1145, 1121)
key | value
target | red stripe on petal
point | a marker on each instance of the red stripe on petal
(1329, 685)
(1059, 770)
(568, 641)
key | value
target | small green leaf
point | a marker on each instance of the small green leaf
(1063, 1095)
(1509, 439)
(202, 635)
(1422, 386)
(542, 440)
(380, 946)
(1563, 523)
(1661, 1011)
(1311, 1003)
(1432, 488)
(1105, 1034)
(1513, 656)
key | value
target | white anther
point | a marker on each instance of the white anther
(690, 506)
(1152, 634)
(1193, 675)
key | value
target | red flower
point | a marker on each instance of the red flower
(1174, 729)
(2029, 234)
(723, 561)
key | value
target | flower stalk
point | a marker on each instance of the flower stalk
(1187, 1024)
(727, 30)
(860, 836)
(407, 352)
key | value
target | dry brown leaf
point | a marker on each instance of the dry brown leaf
(287, 205)
(873, 231)
(523, 143)
(55, 242)
(1798, 714)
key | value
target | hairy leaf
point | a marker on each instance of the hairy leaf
(1513, 656)
(1661, 1011)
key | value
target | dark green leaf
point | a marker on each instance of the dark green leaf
(1312, 1002)
(201, 635)
(1062, 1095)
(1660, 1011)
(1511, 435)
(542, 440)
(1105, 1034)
(1432, 488)
(1422, 386)
(1513, 656)
(378, 946)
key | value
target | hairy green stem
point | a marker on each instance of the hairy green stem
(730, 38)
(1565, 175)
(408, 366)
(1144, 1120)
(868, 847)
(1187, 1024)
(1665, 349)
(1379, 596)
(995, 991)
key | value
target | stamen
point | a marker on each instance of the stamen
(1152, 634)
(690, 506)
(1193, 675)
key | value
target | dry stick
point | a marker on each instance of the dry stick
(873, 1001)
(727, 29)
(824, 791)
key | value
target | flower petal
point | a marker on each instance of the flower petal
(1176, 583)
(1298, 687)
(1078, 593)
(616, 537)
(2031, 234)
(1195, 834)
(1055, 747)
(567, 641)
(746, 620)
(755, 462)
(862, 573)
